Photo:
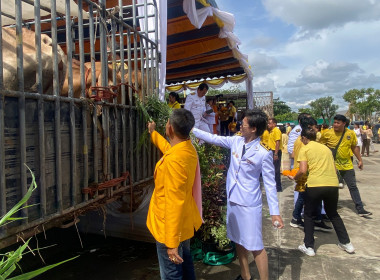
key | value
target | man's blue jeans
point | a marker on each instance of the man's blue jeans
(299, 206)
(172, 271)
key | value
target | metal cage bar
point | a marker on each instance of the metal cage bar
(65, 123)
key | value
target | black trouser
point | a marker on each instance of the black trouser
(313, 198)
(277, 170)
(349, 178)
(224, 128)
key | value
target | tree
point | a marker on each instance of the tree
(306, 111)
(280, 107)
(363, 102)
(324, 107)
(286, 117)
(282, 111)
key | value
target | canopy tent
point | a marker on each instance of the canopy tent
(201, 46)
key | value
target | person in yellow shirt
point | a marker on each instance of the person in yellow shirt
(343, 161)
(288, 128)
(174, 100)
(223, 117)
(232, 116)
(300, 188)
(285, 162)
(322, 185)
(174, 213)
(275, 145)
(324, 128)
(265, 137)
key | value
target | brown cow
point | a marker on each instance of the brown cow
(88, 79)
(30, 62)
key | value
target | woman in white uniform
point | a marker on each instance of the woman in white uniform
(249, 158)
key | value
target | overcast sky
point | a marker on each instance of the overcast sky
(306, 49)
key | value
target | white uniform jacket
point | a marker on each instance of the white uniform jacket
(293, 135)
(243, 185)
(196, 105)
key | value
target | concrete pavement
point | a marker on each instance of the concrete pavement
(286, 262)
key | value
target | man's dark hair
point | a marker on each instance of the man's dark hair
(182, 122)
(340, 118)
(283, 129)
(347, 122)
(307, 122)
(303, 115)
(202, 86)
(175, 95)
(273, 120)
(256, 118)
(309, 133)
(233, 103)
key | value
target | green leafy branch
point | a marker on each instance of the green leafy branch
(153, 110)
(9, 261)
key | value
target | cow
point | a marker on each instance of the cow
(88, 80)
(30, 69)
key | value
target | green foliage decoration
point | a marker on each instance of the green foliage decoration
(212, 161)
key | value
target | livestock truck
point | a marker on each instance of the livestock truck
(71, 71)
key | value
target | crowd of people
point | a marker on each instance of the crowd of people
(323, 160)
(209, 116)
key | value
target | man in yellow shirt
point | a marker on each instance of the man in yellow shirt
(173, 212)
(274, 143)
(343, 160)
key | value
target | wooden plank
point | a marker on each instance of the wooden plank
(203, 58)
(188, 74)
(183, 24)
(194, 47)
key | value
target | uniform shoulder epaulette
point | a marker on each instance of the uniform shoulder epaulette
(237, 133)
(264, 146)
(192, 93)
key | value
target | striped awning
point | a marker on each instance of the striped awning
(195, 54)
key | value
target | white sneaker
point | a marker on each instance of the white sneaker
(349, 248)
(308, 251)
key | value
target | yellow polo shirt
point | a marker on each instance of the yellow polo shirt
(320, 163)
(175, 105)
(274, 135)
(264, 137)
(343, 156)
(296, 149)
(288, 129)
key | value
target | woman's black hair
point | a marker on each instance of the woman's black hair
(256, 118)
(175, 95)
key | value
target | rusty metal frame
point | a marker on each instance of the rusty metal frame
(83, 135)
